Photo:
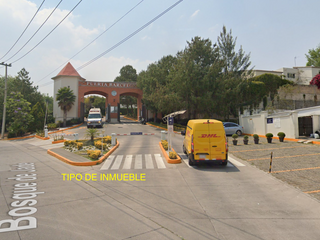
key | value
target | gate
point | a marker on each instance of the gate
(82, 109)
(305, 126)
(108, 117)
(118, 112)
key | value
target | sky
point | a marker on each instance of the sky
(276, 33)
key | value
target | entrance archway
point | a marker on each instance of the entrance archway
(112, 92)
(69, 77)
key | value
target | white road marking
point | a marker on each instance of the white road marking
(127, 162)
(159, 161)
(235, 162)
(117, 162)
(107, 163)
(138, 162)
(149, 162)
(231, 161)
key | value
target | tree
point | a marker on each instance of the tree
(19, 117)
(127, 74)
(66, 99)
(236, 68)
(194, 76)
(158, 93)
(313, 57)
(38, 118)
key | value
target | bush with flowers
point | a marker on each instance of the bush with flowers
(316, 81)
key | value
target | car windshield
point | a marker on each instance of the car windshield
(95, 115)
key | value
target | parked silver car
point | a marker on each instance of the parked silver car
(232, 128)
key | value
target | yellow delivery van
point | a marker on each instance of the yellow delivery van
(205, 140)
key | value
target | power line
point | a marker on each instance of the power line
(35, 31)
(93, 40)
(49, 32)
(128, 37)
(24, 29)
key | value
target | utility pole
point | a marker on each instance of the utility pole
(5, 99)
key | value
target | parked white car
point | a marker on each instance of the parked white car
(232, 128)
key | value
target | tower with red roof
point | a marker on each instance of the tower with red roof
(67, 77)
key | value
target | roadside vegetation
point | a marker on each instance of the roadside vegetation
(92, 148)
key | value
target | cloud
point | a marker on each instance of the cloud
(195, 14)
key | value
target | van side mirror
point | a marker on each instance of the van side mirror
(183, 132)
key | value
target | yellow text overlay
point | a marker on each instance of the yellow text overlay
(104, 177)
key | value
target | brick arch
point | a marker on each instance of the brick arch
(106, 88)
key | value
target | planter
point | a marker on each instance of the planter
(281, 139)
(235, 142)
(269, 140)
(256, 140)
(245, 141)
(58, 141)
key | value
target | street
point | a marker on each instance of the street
(136, 194)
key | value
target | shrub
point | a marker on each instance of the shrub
(235, 136)
(172, 155)
(164, 144)
(94, 154)
(269, 135)
(255, 136)
(40, 133)
(245, 137)
(79, 145)
(281, 134)
(89, 151)
(98, 144)
(70, 143)
(107, 139)
(51, 125)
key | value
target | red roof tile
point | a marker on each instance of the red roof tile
(69, 70)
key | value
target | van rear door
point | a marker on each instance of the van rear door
(217, 141)
(201, 141)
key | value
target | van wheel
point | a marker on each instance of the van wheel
(224, 163)
(184, 149)
(191, 162)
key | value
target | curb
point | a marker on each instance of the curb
(66, 128)
(42, 137)
(91, 163)
(287, 139)
(59, 141)
(130, 118)
(172, 161)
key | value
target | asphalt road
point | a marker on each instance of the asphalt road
(171, 202)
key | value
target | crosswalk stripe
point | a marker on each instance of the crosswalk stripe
(159, 161)
(114, 162)
(107, 163)
(127, 162)
(149, 162)
(138, 162)
(117, 162)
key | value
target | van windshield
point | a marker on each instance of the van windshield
(94, 115)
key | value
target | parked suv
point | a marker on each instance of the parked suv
(94, 118)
